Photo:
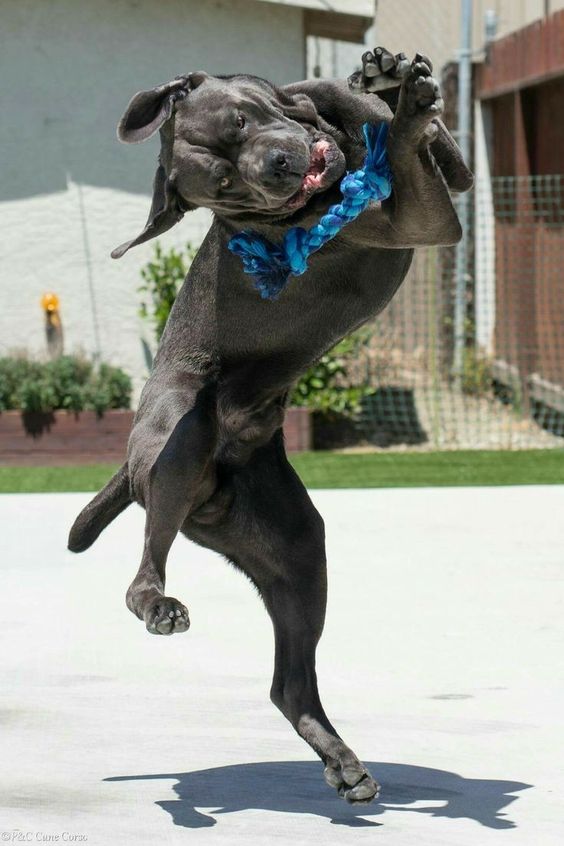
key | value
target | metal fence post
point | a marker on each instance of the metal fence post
(463, 205)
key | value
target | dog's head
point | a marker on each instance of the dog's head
(235, 145)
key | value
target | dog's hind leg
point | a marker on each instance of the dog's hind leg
(296, 604)
(174, 473)
(272, 531)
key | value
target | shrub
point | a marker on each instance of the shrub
(118, 385)
(326, 388)
(476, 377)
(69, 376)
(163, 277)
(14, 372)
(477, 374)
(36, 394)
(68, 382)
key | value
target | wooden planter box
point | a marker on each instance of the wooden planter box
(66, 438)
(298, 430)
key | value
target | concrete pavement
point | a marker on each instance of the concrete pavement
(441, 664)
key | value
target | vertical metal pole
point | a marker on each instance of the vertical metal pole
(463, 205)
(89, 276)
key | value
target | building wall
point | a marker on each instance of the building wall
(69, 191)
(521, 91)
(364, 8)
(434, 29)
(328, 58)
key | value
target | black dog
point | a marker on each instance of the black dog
(206, 455)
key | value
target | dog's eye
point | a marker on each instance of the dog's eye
(225, 182)
(241, 121)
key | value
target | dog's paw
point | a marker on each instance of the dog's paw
(380, 70)
(352, 781)
(167, 616)
(421, 93)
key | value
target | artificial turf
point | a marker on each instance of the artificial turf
(338, 470)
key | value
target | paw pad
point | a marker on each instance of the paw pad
(167, 616)
(380, 70)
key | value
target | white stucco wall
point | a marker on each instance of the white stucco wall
(69, 191)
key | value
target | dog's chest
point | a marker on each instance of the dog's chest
(340, 291)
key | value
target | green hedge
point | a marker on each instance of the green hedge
(327, 388)
(68, 382)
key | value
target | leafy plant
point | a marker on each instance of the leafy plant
(477, 373)
(37, 394)
(68, 376)
(117, 384)
(326, 387)
(163, 277)
(13, 373)
(68, 382)
(97, 396)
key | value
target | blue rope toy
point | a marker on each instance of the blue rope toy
(271, 264)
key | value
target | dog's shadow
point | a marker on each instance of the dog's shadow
(297, 787)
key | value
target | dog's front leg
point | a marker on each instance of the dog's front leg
(175, 473)
(420, 209)
(382, 73)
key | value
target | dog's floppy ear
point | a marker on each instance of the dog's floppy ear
(167, 208)
(147, 113)
(148, 110)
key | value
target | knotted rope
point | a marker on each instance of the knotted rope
(273, 264)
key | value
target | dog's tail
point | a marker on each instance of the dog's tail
(105, 507)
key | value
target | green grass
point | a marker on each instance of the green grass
(336, 470)
(430, 469)
(86, 477)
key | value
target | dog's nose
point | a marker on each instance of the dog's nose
(278, 163)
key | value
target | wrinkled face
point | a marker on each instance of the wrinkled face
(237, 146)
(241, 147)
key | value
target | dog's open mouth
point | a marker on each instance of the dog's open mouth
(315, 176)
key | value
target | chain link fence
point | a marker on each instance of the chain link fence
(510, 391)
